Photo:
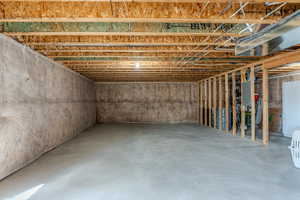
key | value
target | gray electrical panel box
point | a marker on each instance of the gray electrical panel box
(246, 93)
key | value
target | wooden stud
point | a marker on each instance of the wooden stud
(243, 78)
(220, 102)
(253, 109)
(201, 102)
(227, 102)
(215, 101)
(209, 103)
(205, 103)
(265, 82)
(233, 103)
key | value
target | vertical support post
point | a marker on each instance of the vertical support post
(205, 102)
(227, 102)
(253, 109)
(215, 102)
(201, 102)
(233, 104)
(209, 102)
(220, 102)
(265, 83)
(243, 115)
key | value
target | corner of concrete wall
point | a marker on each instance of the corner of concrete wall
(42, 105)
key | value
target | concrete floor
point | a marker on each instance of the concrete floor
(167, 162)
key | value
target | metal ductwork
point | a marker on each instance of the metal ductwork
(273, 38)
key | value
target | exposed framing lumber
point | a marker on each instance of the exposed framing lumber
(267, 64)
(131, 44)
(209, 61)
(265, 86)
(220, 102)
(201, 102)
(209, 102)
(147, 62)
(234, 127)
(271, 62)
(227, 102)
(170, 34)
(281, 59)
(95, 54)
(131, 11)
(253, 108)
(206, 103)
(243, 115)
(215, 101)
(131, 51)
(143, 20)
(158, 1)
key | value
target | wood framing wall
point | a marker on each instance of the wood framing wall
(228, 80)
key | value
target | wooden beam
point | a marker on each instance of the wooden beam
(131, 44)
(201, 102)
(158, 1)
(234, 128)
(209, 102)
(265, 85)
(131, 11)
(203, 61)
(169, 34)
(253, 109)
(146, 62)
(243, 115)
(227, 102)
(205, 103)
(282, 59)
(220, 102)
(132, 51)
(141, 20)
(271, 62)
(215, 101)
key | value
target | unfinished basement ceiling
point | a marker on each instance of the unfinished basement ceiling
(141, 40)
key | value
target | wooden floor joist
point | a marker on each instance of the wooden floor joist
(130, 44)
(194, 38)
(159, 1)
(143, 12)
(170, 34)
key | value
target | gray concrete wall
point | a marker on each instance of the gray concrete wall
(147, 102)
(42, 104)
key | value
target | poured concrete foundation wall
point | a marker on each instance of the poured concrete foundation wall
(42, 104)
(147, 102)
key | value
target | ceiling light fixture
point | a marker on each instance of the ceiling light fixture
(137, 65)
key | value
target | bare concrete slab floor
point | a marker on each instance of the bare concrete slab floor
(153, 162)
